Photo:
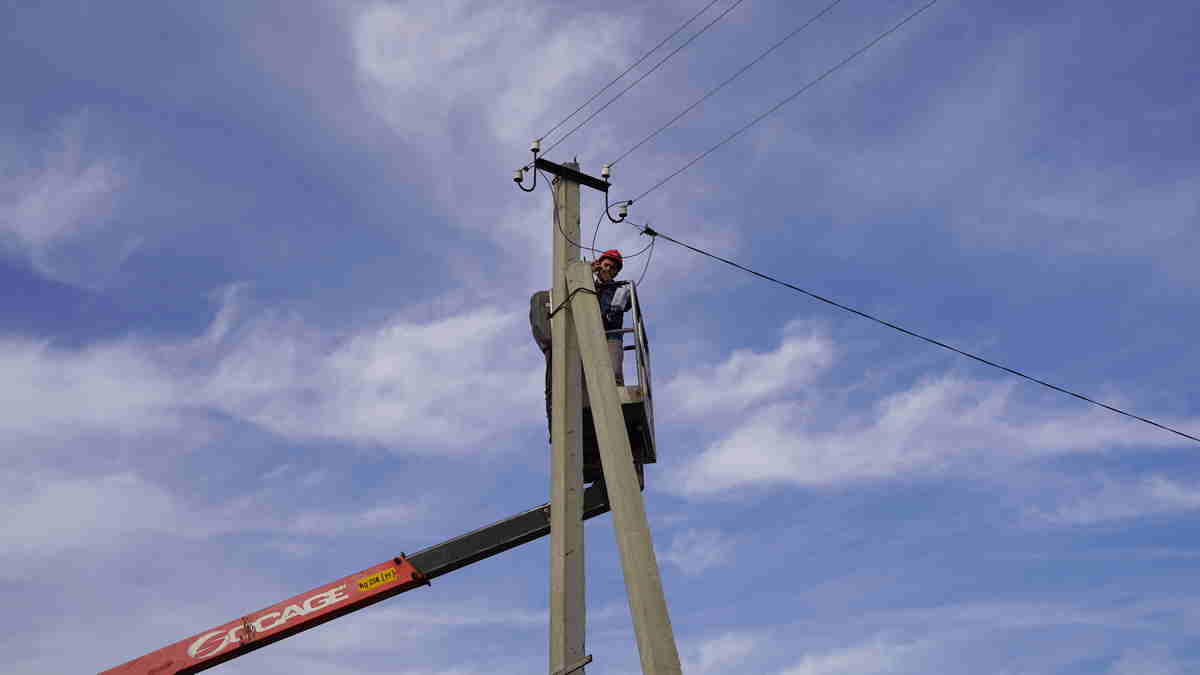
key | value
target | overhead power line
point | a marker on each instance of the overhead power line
(644, 75)
(731, 78)
(858, 52)
(557, 224)
(591, 248)
(646, 266)
(1012, 371)
(625, 72)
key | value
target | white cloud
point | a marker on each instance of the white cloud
(747, 378)
(873, 657)
(1116, 500)
(725, 653)
(448, 383)
(111, 386)
(442, 384)
(409, 387)
(502, 71)
(695, 551)
(283, 662)
(918, 640)
(1101, 212)
(326, 523)
(938, 424)
(376, 630)
(446, 75)
(980, 619)
(1043, 188)
(74, 513)
(107, 512)
(69, 193)
(415, 59)
(1147, 661)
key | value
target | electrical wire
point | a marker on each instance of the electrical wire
(531, 188)
(731, 78)
(643, 76)
(570, 295)
(789, 98)
(645, 248)
(596, 231)
(893, 326)
(625, 72)
(558, 224)
(650, 257)
(608, 206)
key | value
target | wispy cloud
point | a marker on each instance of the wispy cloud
(114, 387)
(113, 512)
(77, 513)
(725, 653)
(419, 57)
(70, 191)
(1053, 183)
(1006, 164)
(391, 383)
(376, 631)
(935, 425)
(875, 656)
(695, 551)
(746, 378)
(1147, 661)
(1107, 499)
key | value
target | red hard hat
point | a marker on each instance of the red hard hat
(615, 255)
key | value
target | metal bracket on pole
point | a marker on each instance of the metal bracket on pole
(573, 175)
(574, 667)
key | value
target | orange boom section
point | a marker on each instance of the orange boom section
(281, 620)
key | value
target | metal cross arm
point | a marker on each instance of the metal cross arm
(573, 175)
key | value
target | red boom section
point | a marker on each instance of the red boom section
(281, 620)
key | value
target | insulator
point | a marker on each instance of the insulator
(624, 210)
(536, 146)
(518, 176)
(606, 171)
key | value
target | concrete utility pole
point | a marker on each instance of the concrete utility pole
(577, 335)
(643, 585)
(568, 611)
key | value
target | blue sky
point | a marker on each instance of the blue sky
(265, 280)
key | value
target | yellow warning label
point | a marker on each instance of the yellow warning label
(378, 579)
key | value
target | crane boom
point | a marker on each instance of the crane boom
(350, 593)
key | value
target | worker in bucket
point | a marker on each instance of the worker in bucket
(614, 300)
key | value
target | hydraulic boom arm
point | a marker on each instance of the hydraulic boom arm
(350, 593)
